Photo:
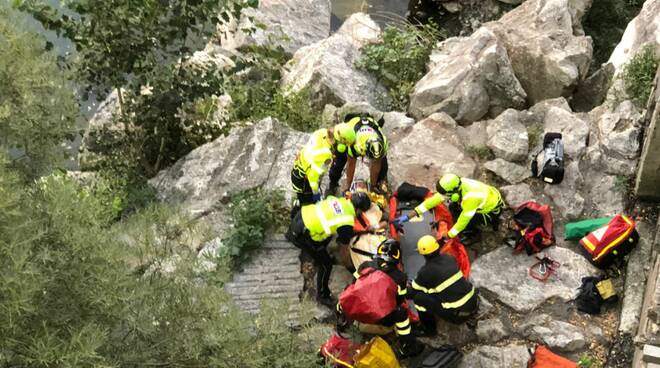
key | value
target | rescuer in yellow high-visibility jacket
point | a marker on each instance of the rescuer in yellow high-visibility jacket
(313, 227)
(476, 200)
(370, 142)
(314, 159)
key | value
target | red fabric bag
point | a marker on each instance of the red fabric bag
(542, 357)
(612, 241)
(454, 248)
(339, 351)
(370, 298)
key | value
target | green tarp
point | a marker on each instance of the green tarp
(577, 230)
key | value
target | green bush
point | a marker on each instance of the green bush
(255, 91)
(605, 22)
(638, 75)
(399, 61)
(254, 213)
(77, 290)
(38, 108)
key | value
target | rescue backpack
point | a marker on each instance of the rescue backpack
(533, 225)
(594, 292)
(552, 162)
(446, 356)
(542, 357)
(370, 298)
(610, 243)
(339, 351)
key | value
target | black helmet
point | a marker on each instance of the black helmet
(361, 201)
(390, 248)
(375, 148)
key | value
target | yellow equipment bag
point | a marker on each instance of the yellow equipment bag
(377, 353)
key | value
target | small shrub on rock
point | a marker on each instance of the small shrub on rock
(399, 61)
(639, 73)
(255, 213)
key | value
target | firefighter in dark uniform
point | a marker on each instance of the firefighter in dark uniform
(440, 288)
(387, 260)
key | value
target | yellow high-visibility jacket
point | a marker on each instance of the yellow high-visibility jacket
(314, 159)
(476, 197)
(323, 218)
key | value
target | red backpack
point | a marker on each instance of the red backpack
(533, 222)
(542, 357)
(370, 298)
(611, 242)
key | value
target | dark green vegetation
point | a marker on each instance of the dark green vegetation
(255, 213)
(638, 75)
(37, 105)
(399, 61)
(92, 274)
(605, 22)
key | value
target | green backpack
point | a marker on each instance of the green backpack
(577, 230)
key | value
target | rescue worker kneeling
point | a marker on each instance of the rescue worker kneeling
(387, 260)
(440, 288)
(312, 228)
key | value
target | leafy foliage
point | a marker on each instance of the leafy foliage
(254, 214)
(605, 22)
(119, 39)
(77, 290)
(37, 105)
(399, 61)
(638, 75)
(254, 88)
(481, 152)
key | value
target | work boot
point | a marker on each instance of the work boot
(409, 347)
(422, 330)
(327, 300)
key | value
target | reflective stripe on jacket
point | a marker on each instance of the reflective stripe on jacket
(314, 159)
(440, 277)
(323, 218)
(429, 203)
(476, 197)
(363, 133)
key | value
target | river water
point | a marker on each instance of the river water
(382, 11)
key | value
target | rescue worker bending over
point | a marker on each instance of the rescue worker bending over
(312, 228)
(370, 142)
(440, 288)
(387, 260)
(476, 200)
(314, 159)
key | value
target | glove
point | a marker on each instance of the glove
(401, 220)
(316, 197)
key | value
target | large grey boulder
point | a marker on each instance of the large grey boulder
(510, 172)
(606, 192)
(257, 155)
(516, 289)
(619, 132)
(642, 30)
(429, 149)
(102, 134)
(574, 130)
(327, 68)
(515, 195)
(474, 135)
(555, 334)
(468, 78)
(291, 24)
(513, 356)
(546, 45)
(491, 330)
(566, 195)
(508, 137)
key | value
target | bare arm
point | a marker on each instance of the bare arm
(350, 171)
(374, 170)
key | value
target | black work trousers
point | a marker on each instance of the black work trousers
(301, 186)
(339, 163)
(399, 319)
(434, 308)
(490, 219)
(317, 251)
